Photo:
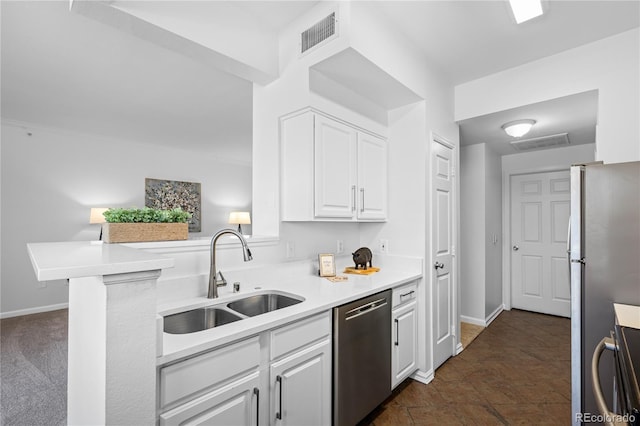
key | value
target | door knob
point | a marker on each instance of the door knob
(438, 265)
(516, 248)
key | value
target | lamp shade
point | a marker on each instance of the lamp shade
(239, 218)
(97, 215)
(518, 128)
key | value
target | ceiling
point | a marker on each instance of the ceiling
(575, 115)
(62, 69)
(472, 39)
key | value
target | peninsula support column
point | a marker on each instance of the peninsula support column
(112, 349)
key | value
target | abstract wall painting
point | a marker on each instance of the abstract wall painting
(171, 194)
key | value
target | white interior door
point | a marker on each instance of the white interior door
(540, 206)
(442, 206)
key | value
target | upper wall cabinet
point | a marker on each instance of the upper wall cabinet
(331, 170)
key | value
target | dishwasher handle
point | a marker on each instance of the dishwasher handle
(365, 309)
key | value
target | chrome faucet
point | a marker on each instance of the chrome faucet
(213, 272)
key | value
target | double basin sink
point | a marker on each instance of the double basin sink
(213, 316)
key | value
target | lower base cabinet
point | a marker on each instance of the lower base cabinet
(301, 387)
(234, 404)
(281, 377)
(404, 346)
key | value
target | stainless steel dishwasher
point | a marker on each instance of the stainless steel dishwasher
(361, 357)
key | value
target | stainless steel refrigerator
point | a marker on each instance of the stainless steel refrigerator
(604, 259)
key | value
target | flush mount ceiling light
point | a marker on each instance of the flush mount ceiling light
(523, 10)
(518, 128)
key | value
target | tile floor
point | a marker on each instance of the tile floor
(517, 371)
(468, 333)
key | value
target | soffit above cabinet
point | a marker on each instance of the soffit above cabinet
(352, 70)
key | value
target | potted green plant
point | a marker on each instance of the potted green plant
(146, 224)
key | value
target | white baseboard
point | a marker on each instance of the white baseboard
(474, 321)
(483, 322)
(30, 311)
(494, 314)
(459, 348)
(423, 377)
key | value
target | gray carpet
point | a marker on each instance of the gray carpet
(33, 369)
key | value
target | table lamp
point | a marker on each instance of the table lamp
(239, 218)
(98, 217)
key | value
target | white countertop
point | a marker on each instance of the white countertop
(627, 315)
(75, 259)
(319, 295)
(65, 260)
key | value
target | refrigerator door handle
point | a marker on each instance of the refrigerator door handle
(569, 252)
(605, 343)
(569, 259)
(569, 237)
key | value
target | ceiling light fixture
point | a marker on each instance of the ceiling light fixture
(518, 128)
(523, 10)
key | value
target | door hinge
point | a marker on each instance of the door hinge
(453, 329)
(453, 250)
(453, 171)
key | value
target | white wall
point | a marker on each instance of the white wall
(485, 213)
(559, 158)
(51, 178)
(383, 44)
(610, 65)
(493, 227)
(405, 228)
(364, 29)
(472, 232)
(481, 221)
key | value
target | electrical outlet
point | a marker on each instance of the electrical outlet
(339, 246)
(291, 249)
(41, 284)
(383, 245)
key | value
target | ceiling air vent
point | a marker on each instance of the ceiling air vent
(542, 142)
(318, 32)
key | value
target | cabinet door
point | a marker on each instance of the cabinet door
(301, 387)
(335, 169)
(234, 404)
(372, 177)
(405, 349)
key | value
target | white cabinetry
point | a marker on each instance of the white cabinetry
(404, 317)
(287, 369)
(372, 177)
(218, 387)
(234, 404)
(301, 377)
(335, 168)
(331, 170)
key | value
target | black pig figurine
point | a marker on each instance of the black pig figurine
(362, 256)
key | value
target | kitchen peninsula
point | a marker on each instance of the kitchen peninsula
(118, 352)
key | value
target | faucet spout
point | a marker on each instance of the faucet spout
(213, 271)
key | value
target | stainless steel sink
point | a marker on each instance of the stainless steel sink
(198, 320)
(262, 303)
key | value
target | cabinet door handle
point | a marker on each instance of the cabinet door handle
(256, 392)
(397, 342)
(407, 294)
(362, 206)
(279, 413)
(353, 198)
